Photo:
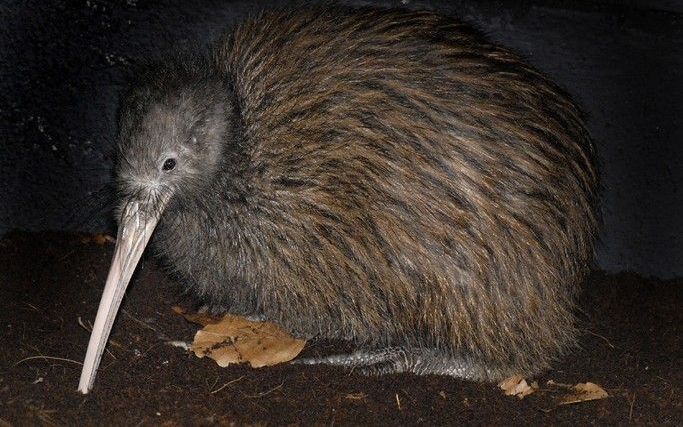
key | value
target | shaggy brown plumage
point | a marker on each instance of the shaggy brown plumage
(387, 177)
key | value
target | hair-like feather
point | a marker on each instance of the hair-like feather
(388, 177)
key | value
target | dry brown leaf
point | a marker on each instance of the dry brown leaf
(584, 392)
(516, 385)
(234, 339)
(508, 384)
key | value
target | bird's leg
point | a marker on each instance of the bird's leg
(397, 359)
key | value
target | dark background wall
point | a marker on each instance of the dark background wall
(62, 66)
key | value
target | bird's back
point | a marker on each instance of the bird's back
(411, 184)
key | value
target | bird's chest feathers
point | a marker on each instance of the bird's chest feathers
(194, 243)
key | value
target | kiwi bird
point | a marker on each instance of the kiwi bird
(386, 177)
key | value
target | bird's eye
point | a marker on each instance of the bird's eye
(169, 164)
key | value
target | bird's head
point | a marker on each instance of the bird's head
(174, 125)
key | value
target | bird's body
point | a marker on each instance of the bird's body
(386, 177)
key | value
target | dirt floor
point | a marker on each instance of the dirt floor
(631, 346)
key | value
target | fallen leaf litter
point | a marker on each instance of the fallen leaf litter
(234, 339)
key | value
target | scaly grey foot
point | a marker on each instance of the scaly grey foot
(397, 359)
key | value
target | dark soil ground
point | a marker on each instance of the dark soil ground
(631, 345)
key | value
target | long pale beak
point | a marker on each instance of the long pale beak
(135, 228)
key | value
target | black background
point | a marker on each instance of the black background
(62, 66)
